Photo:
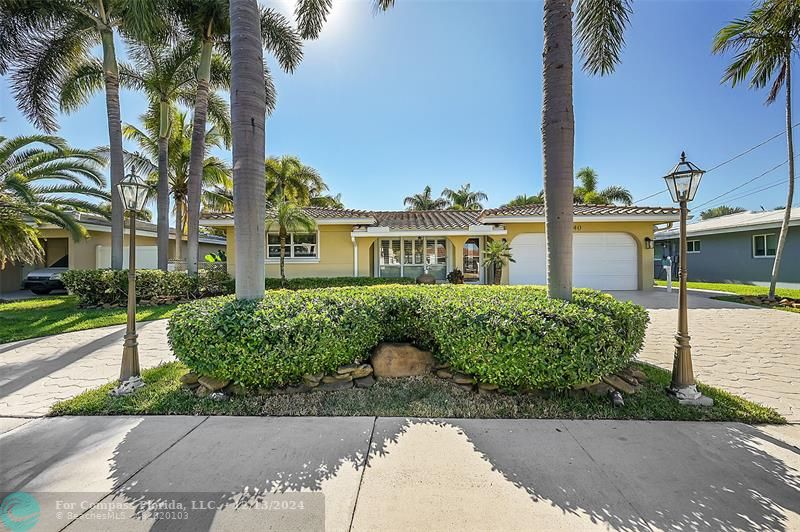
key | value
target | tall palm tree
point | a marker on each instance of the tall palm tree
(45, 40)
(289, 179)
(523, 200)
(166, 74)
(209, 21)
(327, 201)
(44, 180)
(587, 192)
(600, 29)
(216, 178)
(765, 42)
(288, 217)
(424, 201)
(464, 199)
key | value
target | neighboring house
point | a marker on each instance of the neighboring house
(737, 248)
(95, 251)
(612, 244)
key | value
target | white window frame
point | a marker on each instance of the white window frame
(402, 263)
(695, 251)
(290, 243)
(766, 248)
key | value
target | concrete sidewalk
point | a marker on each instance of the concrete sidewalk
(400, 474)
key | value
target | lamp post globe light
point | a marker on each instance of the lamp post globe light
(682, 182)
(134, 191)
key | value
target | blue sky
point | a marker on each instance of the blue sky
(449, 92)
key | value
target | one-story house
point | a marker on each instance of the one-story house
(95, 250)
(737, 248)
(612, 244)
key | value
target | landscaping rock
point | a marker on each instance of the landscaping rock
(361, 371)
(445, 365)
(444, 374)
(616, 399)
(189, 378)
(461, 378)
(585, 385)
(202, 391)
(328, 379)
(467, 387)
(364, 382)
(313, 380)
(628, 377)
(346, 377)
(235, 389)
(426, 278)
(191, 387)
(400, 360)
(213, 384)
(335, 385)
(619, 384)
(485, 388)
(640, 375)
(349, 368)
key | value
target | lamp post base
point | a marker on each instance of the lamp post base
(688, 395)
(130, 357)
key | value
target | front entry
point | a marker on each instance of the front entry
(472, 260)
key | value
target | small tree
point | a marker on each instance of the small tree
(289, 218)
(496, 255)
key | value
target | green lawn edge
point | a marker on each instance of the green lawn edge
(426, 397)
(45, 316)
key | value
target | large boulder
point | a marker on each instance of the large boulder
(401, 360)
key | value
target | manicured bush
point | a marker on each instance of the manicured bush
(110, 287)
(509, 336)
(305, 283)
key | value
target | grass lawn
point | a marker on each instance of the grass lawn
(742, 290)
(31, 318)
(414, 397)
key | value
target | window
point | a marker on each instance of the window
(693, 246)
(765, 245)
(298, 246)
(409, 257)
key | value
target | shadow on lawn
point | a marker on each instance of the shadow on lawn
(622, 475)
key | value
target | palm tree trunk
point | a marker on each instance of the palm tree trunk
(787, 212)
(197, 155)
(111, 77)
(179, 207)
(248, 115)
(558, 142)
(162, 200)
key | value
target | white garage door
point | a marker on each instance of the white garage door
(605, 261)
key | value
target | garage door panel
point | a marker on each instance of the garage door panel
(604, 261)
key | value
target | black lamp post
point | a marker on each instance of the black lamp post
(682, 182)
(133, 191)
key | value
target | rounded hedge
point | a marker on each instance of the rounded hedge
(512, 336)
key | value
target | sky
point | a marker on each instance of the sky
(443, 93)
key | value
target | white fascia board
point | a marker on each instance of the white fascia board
(385, 231)
(656, 218)
(139, 232)
(224, 222)
(719, 230)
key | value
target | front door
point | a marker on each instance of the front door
(472, 260)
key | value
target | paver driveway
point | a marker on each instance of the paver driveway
(750, 351)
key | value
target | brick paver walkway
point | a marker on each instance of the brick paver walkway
(749, 351)
(36, 373)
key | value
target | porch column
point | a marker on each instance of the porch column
(230, 250)
(364, 255)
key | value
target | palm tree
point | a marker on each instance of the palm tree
(722, 210)
(166, 74)
(216, 176)
(496, 255)
(209, 21)
(588, 193)
(44, 180)
(464, 199)
(523, 200)
(765, 42)
(600, 28)
(327, 201)
(424, 201)
(288, 217)
(289, 179)
(44, 41)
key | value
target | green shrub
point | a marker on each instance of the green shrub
(509, 336)
(304, 283)
(110, 287)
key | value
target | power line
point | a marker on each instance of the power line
(723, 163)
(744, 184)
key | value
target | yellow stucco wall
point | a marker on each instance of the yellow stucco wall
(638, 230)
(335, 249)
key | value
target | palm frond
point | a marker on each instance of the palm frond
(311, 16)
(600, 29)
(280, 37)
